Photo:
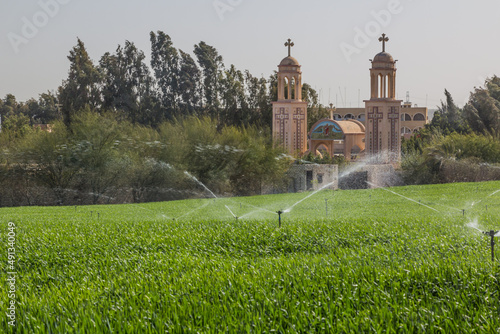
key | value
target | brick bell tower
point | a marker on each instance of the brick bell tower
(382, 111)
(290, 112)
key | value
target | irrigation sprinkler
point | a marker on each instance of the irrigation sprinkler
(463, 212)
(279, 217)
(492, 234)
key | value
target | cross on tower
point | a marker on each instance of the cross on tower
(290, 44)
(383, 39)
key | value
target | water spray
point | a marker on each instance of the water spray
(407, 198)
(235, 217)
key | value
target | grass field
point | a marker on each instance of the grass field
(375, 262)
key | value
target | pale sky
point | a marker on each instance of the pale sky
(439, 43)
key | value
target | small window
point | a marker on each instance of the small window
(320, 178)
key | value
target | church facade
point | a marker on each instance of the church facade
(372, 133)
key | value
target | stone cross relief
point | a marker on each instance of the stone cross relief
(394, 119)
(281, 117)
(375, 115)
(298, 117)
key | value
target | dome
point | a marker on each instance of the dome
(289, 61)
(383, 57)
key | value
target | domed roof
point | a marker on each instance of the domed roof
(383, 57)
(289, 61)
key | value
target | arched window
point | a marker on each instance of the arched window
(322, 150)
(417, 129)
(405, 131)
(361, 117)
(405, 117)
(349, 116)
(337, 117)
(381, 85)
(292, 89)
(419, 117)
(286, 84)
(386, 86)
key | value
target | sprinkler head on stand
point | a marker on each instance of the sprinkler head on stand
(492, 234)
(279, 216)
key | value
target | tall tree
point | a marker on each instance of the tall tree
(127, 81)
(449, 117)
(211, 64)
(483, 110)
(265, 110)
(82, 88)
(235, 107)
(165, 64)
(189, 83)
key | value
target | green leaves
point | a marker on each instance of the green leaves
(379, 265)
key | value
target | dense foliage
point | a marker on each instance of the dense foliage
(101, 160)
(460, 144)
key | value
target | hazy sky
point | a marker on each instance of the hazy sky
(439, 43)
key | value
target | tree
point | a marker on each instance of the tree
(165, 64)
(211, 64)
(189, 84)
(309, 95)
(449, 117)
(483, 110)
(50, 159)
(234, 104)
(82, 88)
(43, 111)
(127, 82)
(96, 140)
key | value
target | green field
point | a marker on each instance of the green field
(376, 262)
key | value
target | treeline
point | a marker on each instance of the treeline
(459, 144)
(175, 84)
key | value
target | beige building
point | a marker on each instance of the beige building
(382, 111)
(373, 132)
(413, 118)
(345, 138)
(290, 112)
